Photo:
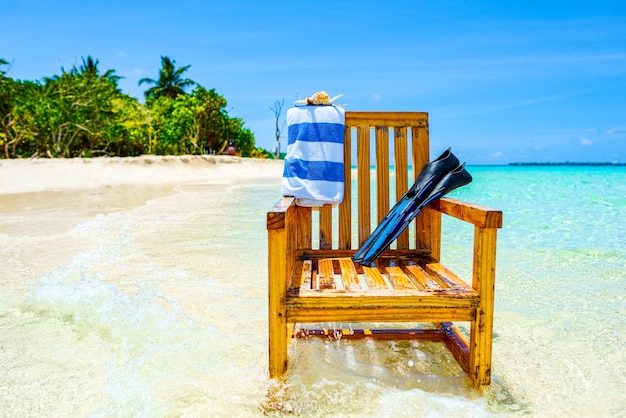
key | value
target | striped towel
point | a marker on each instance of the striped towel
(313, 171)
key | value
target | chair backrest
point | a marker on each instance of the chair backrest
(369, 138)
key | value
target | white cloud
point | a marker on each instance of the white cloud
(615, 131)
(137, 71)
(497, 154)
(377, 96)
(585, 141)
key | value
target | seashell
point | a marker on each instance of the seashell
(319, 98)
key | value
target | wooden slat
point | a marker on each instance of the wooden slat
(401, 152)
(457, 344)
(448, 278)
(303, 227)
(326, 227)
(437, 280)
(434, 335)
(297, 278)
(420, 157)
(434, 228)
(420, 277)
(314, 280)
(382, 172)
(398, 279)
(401, 173)
(349, 275)
(394, 254)
(374, 278)
(420, 148)
(329, 298)
(345, 207)
(306, 273)
(363, 173)
(390, 119)
(384, 313)
(475, 214)
(425, 223)
(291, 244)
(326, 274)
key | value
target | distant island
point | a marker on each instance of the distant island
(571, 163)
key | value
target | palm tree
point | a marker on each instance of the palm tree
(170, 82)
(90, 67)
(3, 62)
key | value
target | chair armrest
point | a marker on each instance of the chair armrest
(477, 215)
(276, 215)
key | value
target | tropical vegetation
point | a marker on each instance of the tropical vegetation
(82, 112)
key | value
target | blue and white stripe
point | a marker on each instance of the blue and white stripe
(314, 167)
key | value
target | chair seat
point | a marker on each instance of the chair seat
(405, 289)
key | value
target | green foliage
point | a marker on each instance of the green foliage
(3, 63)
(17, 117)
(74, 114)
(195, 123)
(170, 83)
(261, 153)
(83, 113)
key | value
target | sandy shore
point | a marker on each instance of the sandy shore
(36, 175)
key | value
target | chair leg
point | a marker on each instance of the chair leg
(278, 342)
(480, 350)
(481, 333)
(277, 309)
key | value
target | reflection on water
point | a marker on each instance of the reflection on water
(153, 302)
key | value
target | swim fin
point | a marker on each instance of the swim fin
(455, 179)
(440, 180)
(428, 178)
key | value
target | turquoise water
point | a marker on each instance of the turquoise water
(156, 306)
(561, 291)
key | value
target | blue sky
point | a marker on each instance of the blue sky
(502, 81)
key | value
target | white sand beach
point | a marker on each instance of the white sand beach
(33, 175)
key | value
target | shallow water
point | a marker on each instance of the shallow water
(153, 302)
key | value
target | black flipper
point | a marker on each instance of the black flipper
(452, 180)
(429, 177)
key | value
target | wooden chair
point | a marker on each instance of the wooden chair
(317, 284)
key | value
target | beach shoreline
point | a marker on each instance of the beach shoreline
(42, 174)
